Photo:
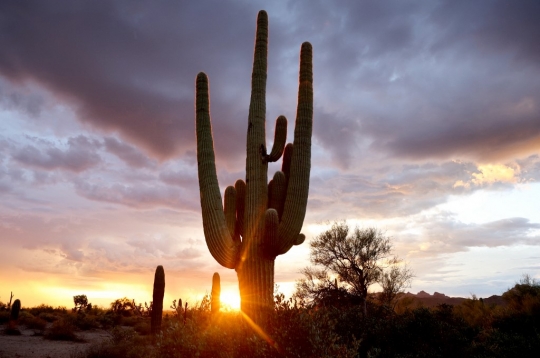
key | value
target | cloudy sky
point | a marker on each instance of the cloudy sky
(426, 125)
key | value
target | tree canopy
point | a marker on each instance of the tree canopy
(356, 259)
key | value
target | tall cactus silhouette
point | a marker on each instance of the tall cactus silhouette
(15, 309)
(215, 302)
(157, 300)
(258, 220)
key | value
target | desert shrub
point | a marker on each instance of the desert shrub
(61, 309)
(12, 329)
(62, 330)
(524, 296)
(475, 312)
(86, 322)
(192, 339)
(131, 321)
(42, 309)
(82, 320)
(35, 323)
(4, 316)
(291, 332)
(418, 333)
(124, 343)
(49, 317)
(106, 320)
(143, 327)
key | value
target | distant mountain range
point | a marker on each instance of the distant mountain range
(427, 300)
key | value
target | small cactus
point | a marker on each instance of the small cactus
(157, 303)
(216, 292)
(15, 309)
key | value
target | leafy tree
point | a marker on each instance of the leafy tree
(122, 306)
(359, 258)
(81, 303)
(394, 279)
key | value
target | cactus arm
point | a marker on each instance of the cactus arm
(300, 239)
(271, 225)
(278, 192)
(286, 164)
(229, 208)
(280, 137)
(298, 183)
(240, 187)
(256, 168)
(218, 238)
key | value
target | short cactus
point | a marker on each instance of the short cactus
(157, 300)
(15, 309)
(216, 293)
(258, 220)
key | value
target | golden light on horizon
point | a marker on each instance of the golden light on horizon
(230, 299)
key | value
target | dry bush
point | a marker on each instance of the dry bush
(62, 330)
(35, 323)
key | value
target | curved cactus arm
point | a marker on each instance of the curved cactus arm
(280, 137)
(240, 187)
(271, 225)
(277, 193)
(229, 209)
(298, 183)
(270, 191)
(300, 239)
(217, 235)
(286, 164)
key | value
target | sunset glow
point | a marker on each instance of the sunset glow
(230, 299)
(423, 127)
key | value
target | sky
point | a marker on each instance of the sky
(426, 126)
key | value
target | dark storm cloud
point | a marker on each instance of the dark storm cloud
(414, 79)
(79, 155)
(428, 79)
(127, 66)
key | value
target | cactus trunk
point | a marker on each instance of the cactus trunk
(15, 309)
(258, 220)
(216, 293)
(157, 300)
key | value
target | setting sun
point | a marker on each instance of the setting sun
(230, 299)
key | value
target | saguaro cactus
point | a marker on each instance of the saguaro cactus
(157, 300)
(216, 292)
(15, 309)
(258, 220)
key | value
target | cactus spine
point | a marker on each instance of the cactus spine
(216, 292)
(157, 300)
(258, 220)
(15, 309)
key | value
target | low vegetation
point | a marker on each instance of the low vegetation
(310, 329)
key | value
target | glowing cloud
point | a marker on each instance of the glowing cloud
(490, 174)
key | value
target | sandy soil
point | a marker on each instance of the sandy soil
(29, 345)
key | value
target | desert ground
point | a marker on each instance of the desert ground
(30, 345)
